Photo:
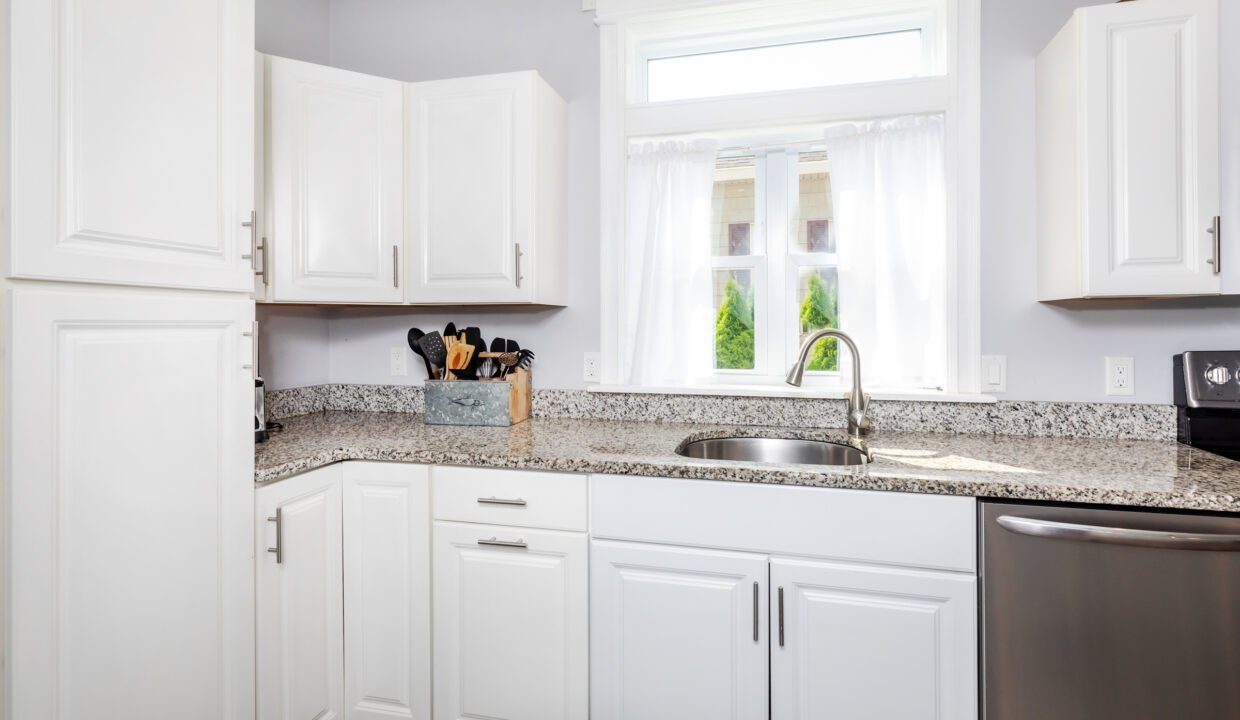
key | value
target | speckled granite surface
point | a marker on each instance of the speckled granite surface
(1039, 419)
(1150, 473)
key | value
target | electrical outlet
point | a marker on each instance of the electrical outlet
(398, 362)
(1121, 376)
(592, 370)
(994, 373)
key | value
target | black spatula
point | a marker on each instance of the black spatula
(434, 350)
(415, 335)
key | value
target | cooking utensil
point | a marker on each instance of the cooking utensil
(459, 356)
(434, 349)
(525, 358)
(509, 361)
(415, 334)
(487, 368)
(473, 336)
(449, 330)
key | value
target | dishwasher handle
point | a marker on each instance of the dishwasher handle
(1119, 536)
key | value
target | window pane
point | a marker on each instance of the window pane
(734, 320)
(815, 224)
(732, 207)
(819, 307)
(838, 61)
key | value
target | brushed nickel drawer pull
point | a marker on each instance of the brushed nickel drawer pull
(278, 519)
(755, 611)
(781, 617)
(1216, 230)
(504, 543)
(501, 501)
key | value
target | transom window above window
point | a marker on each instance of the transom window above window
(789, 66)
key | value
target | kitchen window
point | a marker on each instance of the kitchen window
(773, 171)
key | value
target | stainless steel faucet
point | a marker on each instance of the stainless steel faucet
(858, 401)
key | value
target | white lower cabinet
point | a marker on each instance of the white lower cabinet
(677, 633)
(343, 594)
(300, 593)
(870, 614)
(387, 613)
(858, 642)
(511, 628)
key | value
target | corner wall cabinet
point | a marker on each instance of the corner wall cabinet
(130, 136)
(1128, 148)
(856, 604)
(486, 190)
(381, 192)
(343, 594)
(334, 184)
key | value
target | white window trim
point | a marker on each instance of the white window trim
(956, 94)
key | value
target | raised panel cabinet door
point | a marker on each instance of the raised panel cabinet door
(300, 587)
(511, 628)
(335, 182)
(872, 643)
(132, 141)
(471, 189)
(387, 593)
(130, 543)
(1152, 146)
(677, 633)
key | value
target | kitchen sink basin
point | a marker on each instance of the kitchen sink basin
(774, 450)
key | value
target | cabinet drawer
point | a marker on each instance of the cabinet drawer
(930, 531)
(510, 497)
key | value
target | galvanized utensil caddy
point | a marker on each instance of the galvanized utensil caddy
(492, 403)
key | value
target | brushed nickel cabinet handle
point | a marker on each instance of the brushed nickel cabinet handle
(517, 259)
(278, 519)
(504, 543)
(755, 611)
(1119, 536)
(781, 617)
(252, 224)
(1216, 230)
(395, 266)
(262, 249)
(501, 501)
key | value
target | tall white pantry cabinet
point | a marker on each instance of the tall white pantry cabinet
(127, 329)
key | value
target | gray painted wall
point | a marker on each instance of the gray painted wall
(298, 29)
(1054, 352)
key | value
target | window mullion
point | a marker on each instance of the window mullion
(778, 211)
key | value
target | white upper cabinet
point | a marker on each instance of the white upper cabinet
(335, 154)
(130, 578)
(1128, 146)
(132, 141)
(486, 191)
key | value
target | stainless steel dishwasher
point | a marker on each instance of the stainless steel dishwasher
(1097, 614)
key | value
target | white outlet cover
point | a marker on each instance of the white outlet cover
(994, 373)
(1121, 377)
(592, 367)
(398, 362)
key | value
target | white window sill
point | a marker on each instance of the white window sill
(794, 392)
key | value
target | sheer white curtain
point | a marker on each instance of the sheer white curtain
(889, 197)
(666, 315)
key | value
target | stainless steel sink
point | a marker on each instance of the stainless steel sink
(774, 450)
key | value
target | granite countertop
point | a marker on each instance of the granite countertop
(1146, 473)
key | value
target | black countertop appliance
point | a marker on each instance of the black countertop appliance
(1207, 399)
